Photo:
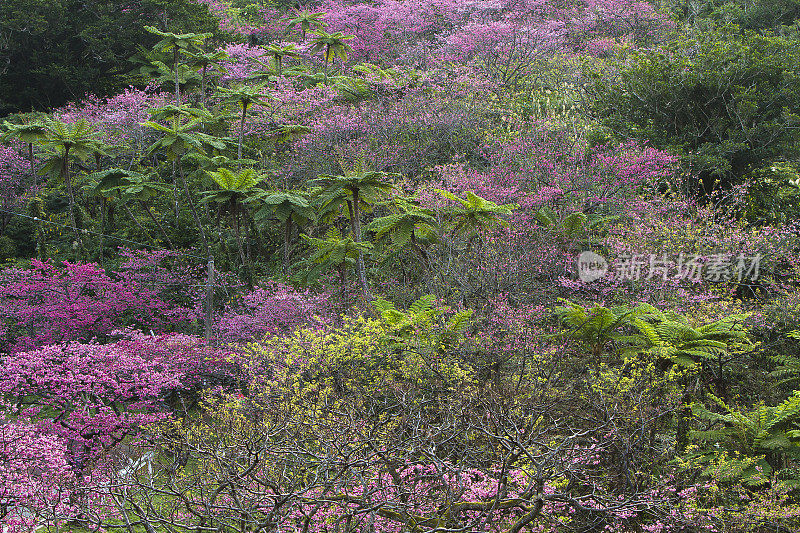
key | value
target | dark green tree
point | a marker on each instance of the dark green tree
(245, 96)
(234, 190)
(356, 189)
(307, 20)
(64, 143)
(333, 44)
(59, 50)
(727, 102)
(290, 208)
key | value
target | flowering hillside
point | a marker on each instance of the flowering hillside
(403, 266)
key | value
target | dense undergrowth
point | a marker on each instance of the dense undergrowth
(402, 266)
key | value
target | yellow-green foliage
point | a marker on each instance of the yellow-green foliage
(364, 356)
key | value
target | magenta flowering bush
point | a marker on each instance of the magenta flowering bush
(48, 304)
(273, 309)
(171, 275)
(93, 396)
(36, 480)
(16, 180)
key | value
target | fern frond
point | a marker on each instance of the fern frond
(382, 305)
(423, 304)
(459, 321)
(789, 409)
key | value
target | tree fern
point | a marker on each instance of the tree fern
(422, 322)
(763, 431)
(669, 336)
(789, 369)
(596, 326)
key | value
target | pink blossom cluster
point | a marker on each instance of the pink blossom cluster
(46, 304)
(272, 309)
(35, 477)
(16, 181)
(92, 396)
(173, 276)
(118, 118)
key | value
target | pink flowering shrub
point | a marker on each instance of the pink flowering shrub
(15, 177)
(173, 276)
(273, 309)
(93, 396)
(637, 20)
(117, 118)
(542, 171)
(35, 477)
(240, 61)
(383, 29)
(47, 304)
(261, 21)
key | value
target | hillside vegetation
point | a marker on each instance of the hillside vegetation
(400, 266)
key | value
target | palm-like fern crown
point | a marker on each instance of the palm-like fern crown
(306, 20)
(749, 434)
(178, 138)
(234, 186)
(27, 133)
(284, 205)
(762, 428)
(419, 317)
(596, 326)
(184, 41)
(241, 181)
(473, 211)
(669, 335)
(79, 137)
(333, 44)
(206, 59)
(665, 335)
(789, 365)
(412, 220)
(285, 50)
(368, 186)
(244, 95)
(336, 250)
(127, 184)
(288, 132)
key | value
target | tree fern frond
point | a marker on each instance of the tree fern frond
(423, 304)
(382, 305)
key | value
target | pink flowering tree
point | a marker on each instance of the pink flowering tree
(15, 180)
(47, 304)
(91, 396)
(273, 309)
(35, 477)
(172, 276)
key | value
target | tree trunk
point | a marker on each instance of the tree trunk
(241, 137)
(175, 194)
(343, 287)
(68, 183)
(156, 222)
(203, 86)
(287, 237)
(33, 164)
(235, 223)
(138, 224)
(356, 226)
(194, 210)
(177, 84)
(102, 225)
